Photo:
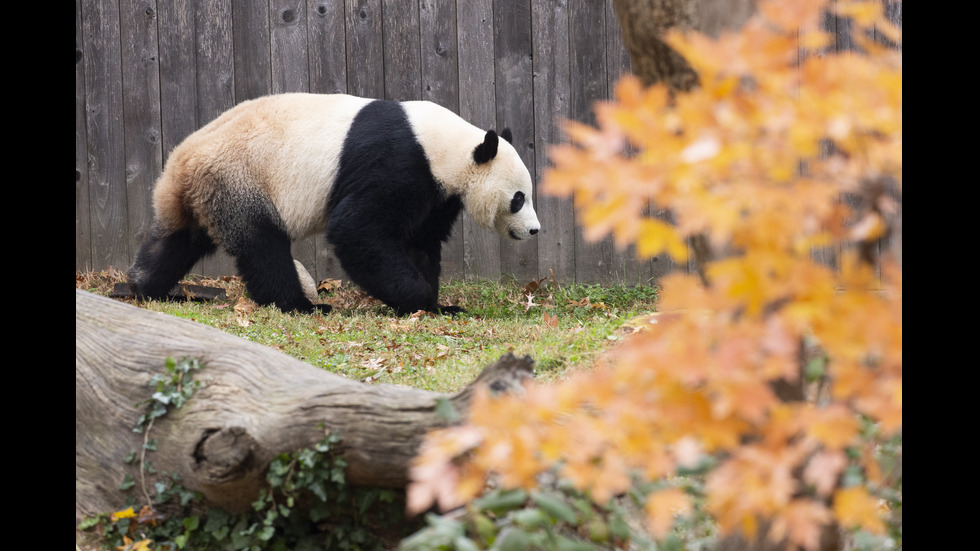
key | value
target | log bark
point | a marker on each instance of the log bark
(256, 403)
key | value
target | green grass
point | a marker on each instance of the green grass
(562, 327)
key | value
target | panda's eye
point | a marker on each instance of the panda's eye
(517, 202)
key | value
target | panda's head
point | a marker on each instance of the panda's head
(500, 197)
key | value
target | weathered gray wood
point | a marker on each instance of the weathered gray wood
(256, 404)
(492, 61)
(477, 104)
(593, 261)
(556, 241)
(515, 104)
(365, 55)
(290, 55)
(253, 64)
(141, 109)
(178, 72)
(402, 63)
(440, 77)
(328, 64)
(106, 173)
(83, 234)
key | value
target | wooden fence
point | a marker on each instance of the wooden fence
(150, 72)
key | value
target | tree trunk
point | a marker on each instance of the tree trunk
(645, 23)
(255, 404)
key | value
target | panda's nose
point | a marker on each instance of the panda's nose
(532, 232)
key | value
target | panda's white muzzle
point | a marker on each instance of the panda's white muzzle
(524, 224)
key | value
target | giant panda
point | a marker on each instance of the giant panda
(384, 180)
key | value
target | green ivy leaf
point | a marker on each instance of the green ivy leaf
(192, 523)
(446, 410)
(127, 483)
(266, 533)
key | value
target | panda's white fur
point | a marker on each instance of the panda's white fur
(264, 172)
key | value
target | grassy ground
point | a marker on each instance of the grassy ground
(563, 327)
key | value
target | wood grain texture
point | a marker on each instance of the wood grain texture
(552, 81)
(83, 223)
(525, 64)
(104, 133)
(141, 114)
(477, 104)
(515, 101)
(365, 50)
(440, 84)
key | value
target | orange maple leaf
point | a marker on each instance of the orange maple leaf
(663, 507)
(855, 508)
(801, 523)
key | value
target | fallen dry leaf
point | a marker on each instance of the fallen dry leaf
(244, 308)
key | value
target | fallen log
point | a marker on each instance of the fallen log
(256, 403)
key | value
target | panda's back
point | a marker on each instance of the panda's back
(287, 146)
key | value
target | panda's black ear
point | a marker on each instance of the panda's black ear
(486, 150)
(505, 134)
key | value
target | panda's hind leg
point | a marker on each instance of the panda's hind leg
(166, 257)
(262, 254)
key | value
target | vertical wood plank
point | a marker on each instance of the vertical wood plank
(83, 234)
(178, 72)
(586, 37)
(328, 46)
(515, 109)
(477, 105)
(402, 64)
(214, 42)
(141, 112)
(556, 241)
(365, 54)
(253, 62)
(328, 75)
(105, 137)
(290, 56)
(440, 79)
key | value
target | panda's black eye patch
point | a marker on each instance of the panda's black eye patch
(517, 202)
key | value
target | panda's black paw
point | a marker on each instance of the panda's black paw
(322, 308)
(450, 310)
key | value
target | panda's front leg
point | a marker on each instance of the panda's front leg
(428, 259)
(381, 263)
